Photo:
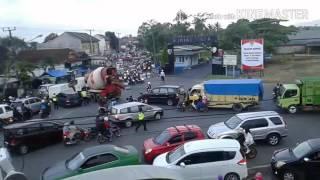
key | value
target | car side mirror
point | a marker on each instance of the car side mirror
(306, 159)
(182, 164)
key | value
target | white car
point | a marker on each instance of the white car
(206, 160)
(5, 111)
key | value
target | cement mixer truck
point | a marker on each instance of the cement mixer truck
(104, 81)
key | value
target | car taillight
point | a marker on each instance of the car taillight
(242, 162)
(13, 142)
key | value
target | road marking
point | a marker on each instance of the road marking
(259, 167)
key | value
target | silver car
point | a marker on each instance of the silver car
(32, 103)
(264, 125)
(128, 112)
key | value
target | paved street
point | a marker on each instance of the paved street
(301, 126)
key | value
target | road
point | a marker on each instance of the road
(301, 126)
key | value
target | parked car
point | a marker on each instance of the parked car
(169, 139)
(135, 172)
(92, 159)
(207, 159)
(5, 111)
(300, 162)
(69, 99)
(127, 113)
(23, 137)
(33, 103)
(167, 94)
(264, 125)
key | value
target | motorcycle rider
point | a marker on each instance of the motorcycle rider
(148, 87)
(130, 99)
(108, 128)
(73, 129)
(276, 90)
(245, 138)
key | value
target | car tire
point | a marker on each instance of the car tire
(273, 139)
(237, 107)
(128, 123)
(292, 109)
(232, 176)
(157, 116)
(289, 175)
(170, 102)
(23, 149)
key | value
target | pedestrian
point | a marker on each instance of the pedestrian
(162, 75)
(55, 101)
(149, 87)
(141, 120)
(84, 96)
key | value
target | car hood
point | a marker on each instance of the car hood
(284, 155)
(217, 129)
(55, 171)
(149, 144)
(161, 160)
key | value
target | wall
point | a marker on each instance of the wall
(62, 41)
(290, 49)
(86, 47)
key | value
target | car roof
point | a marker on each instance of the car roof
(133, 172)
(3, 105)
(103, 148)
(210, 144)
(168, 86)
(183, 128)
(248, 115)
(314, 143)
(128, 104)
(23, 99)
(33, 121)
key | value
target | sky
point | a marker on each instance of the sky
(34, 17)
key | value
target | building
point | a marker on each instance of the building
(79, 42)
(305, 41)
(104, 44)
(186, 56)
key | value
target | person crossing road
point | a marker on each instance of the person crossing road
(141, 120)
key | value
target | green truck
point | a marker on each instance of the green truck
(304, 95)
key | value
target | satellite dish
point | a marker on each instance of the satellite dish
(14, 175)
(214, 49)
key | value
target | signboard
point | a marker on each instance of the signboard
(252, 54)
(195, 40)
(230, 60)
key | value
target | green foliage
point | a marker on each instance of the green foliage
(114, 41)
(164, 56)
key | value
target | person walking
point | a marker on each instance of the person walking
(141, 120)
(55, 102)
(148, 87)
(84, 96)
(162, 75)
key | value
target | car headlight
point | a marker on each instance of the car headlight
(148, 151)
(279, 164)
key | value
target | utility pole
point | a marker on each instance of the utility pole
(90, 30)
(118, 41)
(9, 29)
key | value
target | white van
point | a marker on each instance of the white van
(51, 89)
(80, 83)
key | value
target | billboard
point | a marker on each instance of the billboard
(230, 60)
(252, 54)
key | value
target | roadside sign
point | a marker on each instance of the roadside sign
(230, 60)
(252, 54)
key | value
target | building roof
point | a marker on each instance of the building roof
(84, 37)
(305, 36)
(188, 50)
(209, 144)
(102, 36)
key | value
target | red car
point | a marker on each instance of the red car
(169, 139)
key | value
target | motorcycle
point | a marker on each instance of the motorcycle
(191, 107)
(182, 107)
(250, 153)
(84, 134)
(106, 134)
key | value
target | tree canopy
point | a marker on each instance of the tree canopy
(114, 41)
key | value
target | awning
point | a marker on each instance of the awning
(56, 73)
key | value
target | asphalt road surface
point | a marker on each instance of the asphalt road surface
(301, 126)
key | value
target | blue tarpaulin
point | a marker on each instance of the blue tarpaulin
(56, 73)
(253, 87)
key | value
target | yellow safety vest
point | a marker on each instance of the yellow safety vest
(140, 116)
(84, 93)
(54, 98)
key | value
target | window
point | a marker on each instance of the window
(145, 108)
(7, 108)
(98, 160)
(1, 111)
(290, 93)
(171, 90)
(176, 139)
(155, 91)
(31, 101)
(162, 138)
(301, 150)
(189, 136)
(255, 123)
(26, 102)
(134, 109)
(163, 90)
(207, 157)
(33, 128)
(275, 120)
(48, 125)
(37, 100)
(122, 111)
(233, 122)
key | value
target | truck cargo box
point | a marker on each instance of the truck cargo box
(240, 87)
(310, 90)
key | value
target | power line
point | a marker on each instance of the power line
(9, 29)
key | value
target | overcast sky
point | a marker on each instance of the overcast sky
(34, 17)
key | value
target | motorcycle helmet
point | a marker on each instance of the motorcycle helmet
(72, 122)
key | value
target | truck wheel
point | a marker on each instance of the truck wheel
(292, 109)
(237, 107)
(128, 123)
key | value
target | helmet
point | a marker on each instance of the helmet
(43, 101)
(72, 122)
(149, 83)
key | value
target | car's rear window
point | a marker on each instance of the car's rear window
(275, 120)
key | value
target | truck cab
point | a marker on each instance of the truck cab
(289, 97)
(195, 91)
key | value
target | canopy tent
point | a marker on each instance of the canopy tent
(56, 73)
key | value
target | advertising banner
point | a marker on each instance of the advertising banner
(252, 54)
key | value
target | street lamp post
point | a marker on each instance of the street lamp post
(39, 36)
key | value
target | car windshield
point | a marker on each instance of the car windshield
(233, 122)
(282, 90)
(162, 138)
(74, 162)
(176, 154)
(114, 111)
(301, 150)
